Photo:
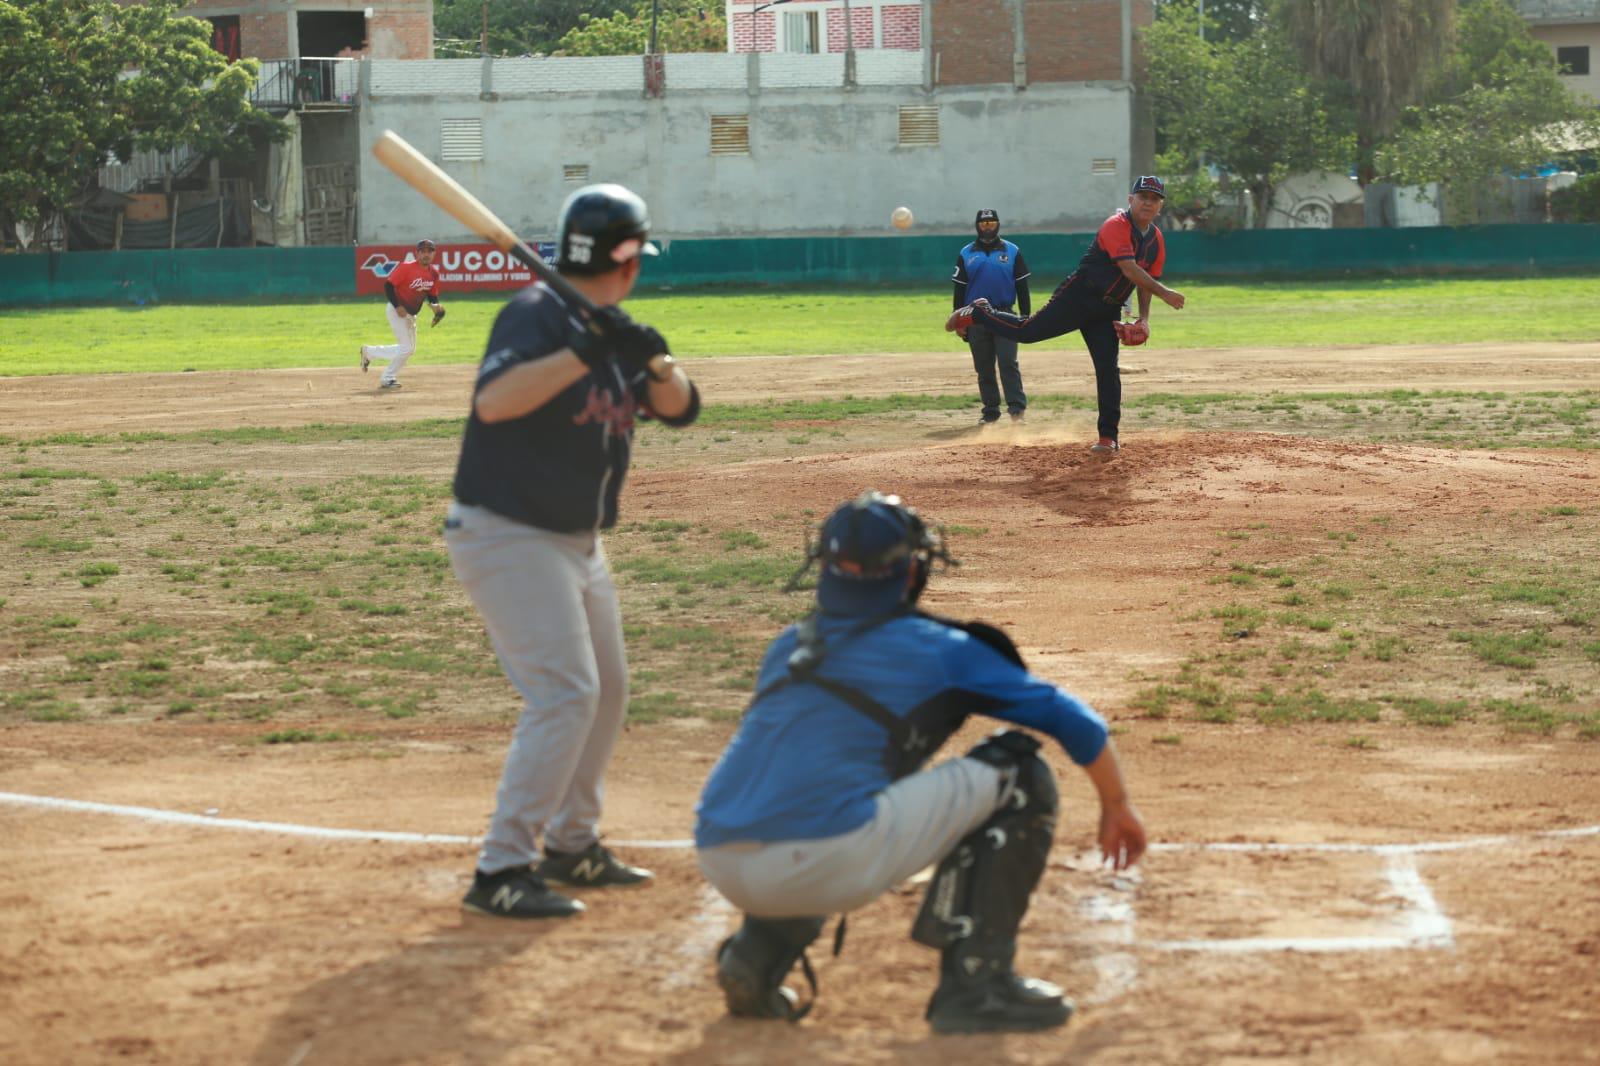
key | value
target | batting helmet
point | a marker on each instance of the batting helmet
(875, 554)
(602, 227)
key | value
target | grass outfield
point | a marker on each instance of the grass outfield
(167, 338)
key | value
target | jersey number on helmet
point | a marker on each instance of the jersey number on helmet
(580, 247)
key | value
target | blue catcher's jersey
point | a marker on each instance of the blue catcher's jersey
(805, 765)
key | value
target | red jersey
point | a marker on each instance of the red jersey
(1119, 239)
(413, 283)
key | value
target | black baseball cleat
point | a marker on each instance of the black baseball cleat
(517, 893)
(1002, 1003)
(746, 994)
(593, 866)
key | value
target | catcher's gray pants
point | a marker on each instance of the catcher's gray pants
(918, 820)
(990, 349)
(404, 328)
(550, 607)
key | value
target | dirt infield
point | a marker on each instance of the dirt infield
(1331, 889)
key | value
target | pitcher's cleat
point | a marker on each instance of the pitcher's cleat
(1105, 447)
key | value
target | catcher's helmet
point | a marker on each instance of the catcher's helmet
(602, 227)
(867, 549)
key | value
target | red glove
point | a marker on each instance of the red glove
(1133, 333)
(958, 322)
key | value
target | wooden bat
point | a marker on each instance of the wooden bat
(423, 175)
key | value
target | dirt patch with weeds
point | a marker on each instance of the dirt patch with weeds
(1301, 639)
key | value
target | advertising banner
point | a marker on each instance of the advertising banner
(462, 267)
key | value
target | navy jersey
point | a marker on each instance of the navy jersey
(559, 467)
(805, 765)
(989, 273)
(1119, 239)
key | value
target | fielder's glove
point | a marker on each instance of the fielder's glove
(438, 317)
(1133, 334)
(960, 319)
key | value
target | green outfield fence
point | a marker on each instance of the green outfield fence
(140, 277)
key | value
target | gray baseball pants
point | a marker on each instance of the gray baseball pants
(549, 604)
(918, 820)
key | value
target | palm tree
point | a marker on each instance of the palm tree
(1384, 50)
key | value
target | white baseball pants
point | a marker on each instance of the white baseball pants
(549, 604)
(919, 819)
(396, 354)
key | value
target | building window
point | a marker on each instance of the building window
(575, 173)
(461, 140)
(225, 35)
(1574, 60)
(919, 126)
(1102, 166)
(801, 31)
(730, 134)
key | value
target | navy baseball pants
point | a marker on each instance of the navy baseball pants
(1073, 307)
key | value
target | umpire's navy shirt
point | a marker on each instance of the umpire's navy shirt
(560, 467)
(990, 273)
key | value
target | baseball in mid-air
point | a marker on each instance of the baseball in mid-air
(901, 217)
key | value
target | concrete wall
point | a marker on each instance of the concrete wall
(822, 160)
(1567, 36)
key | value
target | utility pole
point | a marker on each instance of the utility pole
(483, 36)
(655, 13)
(849, 48)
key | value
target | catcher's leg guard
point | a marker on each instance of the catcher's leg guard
(752, 964)
(979, 895)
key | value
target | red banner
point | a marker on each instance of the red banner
(462, 267)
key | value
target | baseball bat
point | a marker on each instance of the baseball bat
(423, 175)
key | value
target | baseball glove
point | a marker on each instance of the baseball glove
(958, 321)
(438, 316)
(1133, 333)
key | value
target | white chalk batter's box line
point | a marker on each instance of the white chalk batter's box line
(1418, 922)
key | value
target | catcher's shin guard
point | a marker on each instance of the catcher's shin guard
(752, 964)
(979, 895)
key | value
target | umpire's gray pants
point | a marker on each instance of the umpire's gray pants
(918, 820)
(550, 607)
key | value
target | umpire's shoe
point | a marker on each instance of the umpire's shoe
(517, 893)
(594, 866)
(997, 1003)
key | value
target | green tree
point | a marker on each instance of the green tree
(1246, 106)
(681, 26)
(85, 79)
(1497, 105)
(516, 27)
(1386, 51)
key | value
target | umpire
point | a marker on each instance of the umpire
(993, 269)
(821, 802)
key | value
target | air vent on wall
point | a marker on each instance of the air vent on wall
(730, 134)
(919, 126)
(575, 173)
(1103, 166)
(461, 140)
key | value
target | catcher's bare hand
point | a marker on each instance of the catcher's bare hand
(438, 317)
(1122, 839)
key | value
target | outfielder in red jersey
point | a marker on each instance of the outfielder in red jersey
(1126, 255)
(407, 286)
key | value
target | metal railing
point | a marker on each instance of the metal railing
(307, 82)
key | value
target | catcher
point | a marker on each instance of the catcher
(1126, 254)
(821, 803)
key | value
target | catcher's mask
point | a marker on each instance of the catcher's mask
(875, 555)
